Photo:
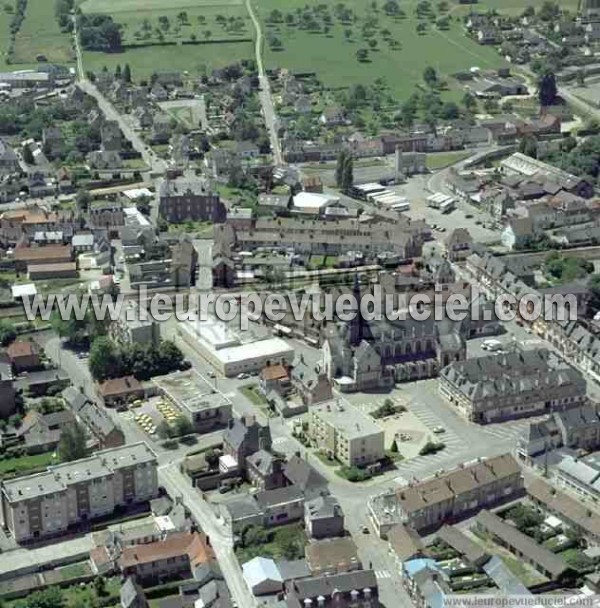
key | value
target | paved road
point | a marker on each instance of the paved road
(157, 164)
(218, 532)
(264, 94)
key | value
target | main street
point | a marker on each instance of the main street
(264, 93)
(218, 532)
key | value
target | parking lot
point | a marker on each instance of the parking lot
(410, 433)
(148, 414)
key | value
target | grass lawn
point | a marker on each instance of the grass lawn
(116, 6)
(253, 394)
(74, 570)
(202, 18)
(322, 456)
(40, 35)
(513, 7)
(282, 538)
(523, 573)
(26, 464)
(147, 60)
(444, 159)
(332, 55)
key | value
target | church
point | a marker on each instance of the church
(362, 355)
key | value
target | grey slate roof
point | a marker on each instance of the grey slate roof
(323, 507)
(326, 585)
(305, 477)
(130, 592)
(279, 496)
(511, 373)
(525, 545)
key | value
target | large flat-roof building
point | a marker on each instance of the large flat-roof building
(457, 494)
(512, 385)
(346, 434)
(228, 353)
(50, 503)
(205, 406)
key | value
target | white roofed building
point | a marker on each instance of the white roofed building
(227, 352)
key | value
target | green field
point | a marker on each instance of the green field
(142, 26)
(40, 35)
(208, 22)
(146, 60)
(116, 6)
(513, 7)
(333, 55)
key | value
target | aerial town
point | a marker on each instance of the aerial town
(157, 153)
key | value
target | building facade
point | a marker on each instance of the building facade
(70, 494)
(452, 496)
(346, 434)
(511, 385)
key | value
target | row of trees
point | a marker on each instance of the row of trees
(344, 171)
(62, 11)
(18, 15)
(111, 360)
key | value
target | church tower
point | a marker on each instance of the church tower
(356, 325)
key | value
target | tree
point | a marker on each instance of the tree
(430, 76)
(83, 199)
(15, 420)
(547, 89)
(594, 285)
(362, 55)
(212, 458)
(51, 597)
(127, 73)
(344, 171)
(8, 333)
(529, 146)
(118, 72)
(164, 430)
(100, 586)
(183, 426)
(470, 102)
(28, 158)
(394, 447)
(104, 361)
(72, 444)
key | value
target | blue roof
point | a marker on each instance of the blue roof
(411, 567)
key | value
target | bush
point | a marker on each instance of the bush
(431, 448)
(387, 409)
(354, 474)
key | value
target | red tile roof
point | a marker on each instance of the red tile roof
(176, 545)
(21, 349)
(274, 372)
(120, 386)
(48, 252)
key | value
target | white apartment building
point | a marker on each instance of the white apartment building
(68, 494)
(346, 434)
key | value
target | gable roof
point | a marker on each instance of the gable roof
(302, 475)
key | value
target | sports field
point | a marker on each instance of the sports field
(333, 55)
